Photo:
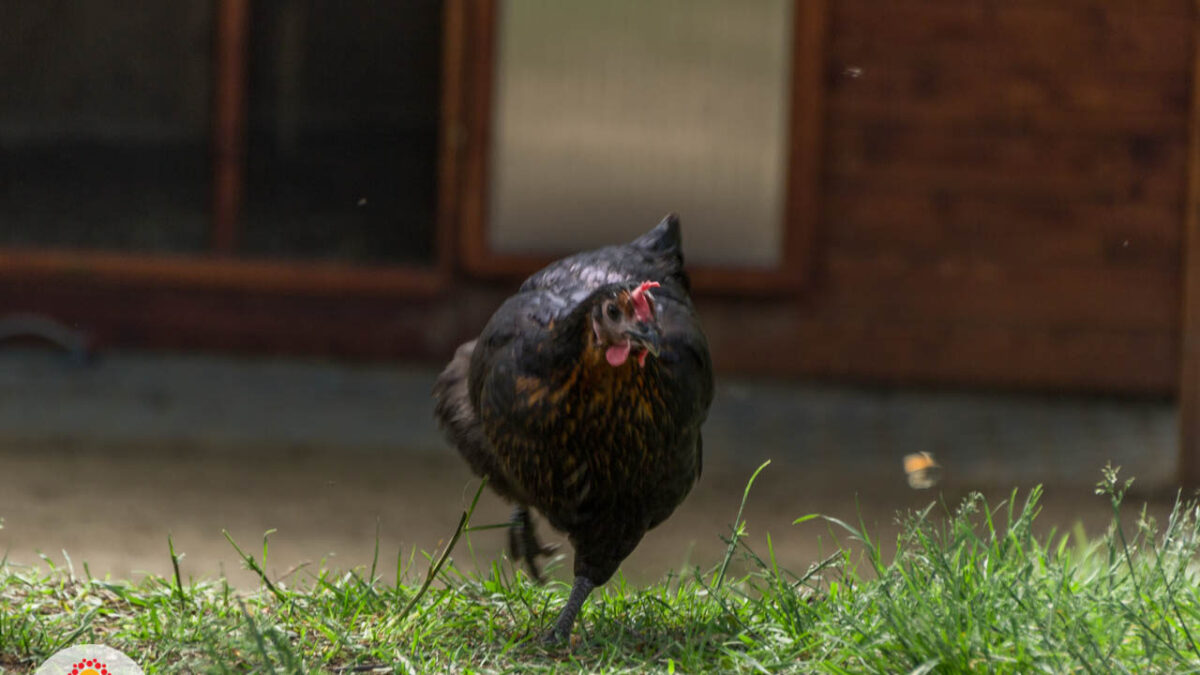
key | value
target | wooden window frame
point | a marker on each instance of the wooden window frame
(218, 268)
(802, 181)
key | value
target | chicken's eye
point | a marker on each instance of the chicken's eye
(614, 312)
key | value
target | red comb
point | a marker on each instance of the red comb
(641, 300)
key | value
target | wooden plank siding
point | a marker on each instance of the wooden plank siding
(1003, 194)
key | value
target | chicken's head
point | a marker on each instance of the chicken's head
(625, 322)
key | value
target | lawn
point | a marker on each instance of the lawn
(967, 587)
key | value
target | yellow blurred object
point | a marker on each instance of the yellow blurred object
(922, 470)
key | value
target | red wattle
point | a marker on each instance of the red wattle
(617, 354)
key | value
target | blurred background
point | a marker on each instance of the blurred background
(239, 238)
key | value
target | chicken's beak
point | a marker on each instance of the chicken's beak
(647, 336)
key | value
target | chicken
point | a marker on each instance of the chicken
(583, 398)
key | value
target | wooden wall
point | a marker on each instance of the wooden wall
(1003, 198)
(1002, 204)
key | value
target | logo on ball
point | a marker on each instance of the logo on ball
(89, 660)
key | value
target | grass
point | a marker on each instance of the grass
(964, 588)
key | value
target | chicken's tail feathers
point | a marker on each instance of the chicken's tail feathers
(663, 238)
(663, 246)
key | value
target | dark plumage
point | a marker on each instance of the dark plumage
(583, 398)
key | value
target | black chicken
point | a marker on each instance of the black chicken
(583, 398)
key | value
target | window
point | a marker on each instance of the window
(595, 119)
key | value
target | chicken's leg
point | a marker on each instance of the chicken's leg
(523, 544)
(566, 618)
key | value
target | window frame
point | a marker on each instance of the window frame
(802, 181)
(219, 267)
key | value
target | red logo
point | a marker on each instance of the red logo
(89, 667)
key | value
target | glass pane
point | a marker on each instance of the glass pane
(344, 106)
(610, 114)
(104, 124)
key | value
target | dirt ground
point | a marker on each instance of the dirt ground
(114, 512)
(105, 462)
